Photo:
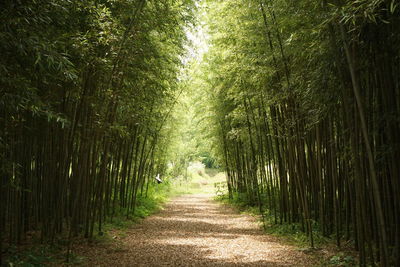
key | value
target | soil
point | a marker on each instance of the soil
(194, 230)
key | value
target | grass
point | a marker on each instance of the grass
(202, 180)
(325, 250)
(35, 254)
(198, 180)
(157, 196)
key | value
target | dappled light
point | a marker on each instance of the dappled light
(129, 129)
(193, 230)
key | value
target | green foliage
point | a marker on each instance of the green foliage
(87, 93)
(296, 100)
(220, 190)
(291, 233)
(34, 257)
(40, 255)
(157, 196)
(341, 260)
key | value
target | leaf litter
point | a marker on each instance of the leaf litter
(194, 230)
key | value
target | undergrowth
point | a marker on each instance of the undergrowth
(33, 253)
(36, 254)
(294, 235)
(197, 180)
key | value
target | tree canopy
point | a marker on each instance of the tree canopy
(298, 101)
(305, 102)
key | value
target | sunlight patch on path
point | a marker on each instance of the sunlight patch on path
(193, 230)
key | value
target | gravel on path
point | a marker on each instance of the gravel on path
(194, 230)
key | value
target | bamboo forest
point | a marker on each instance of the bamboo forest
(107, 106)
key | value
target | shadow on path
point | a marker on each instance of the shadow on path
(195, 231)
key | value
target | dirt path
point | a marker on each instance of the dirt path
(194, 230)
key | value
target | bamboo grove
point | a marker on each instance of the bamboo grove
(87, 88)
(306, 104)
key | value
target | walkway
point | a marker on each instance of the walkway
(194, 230)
